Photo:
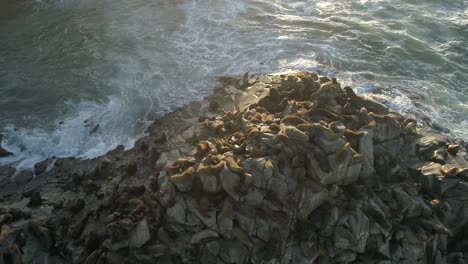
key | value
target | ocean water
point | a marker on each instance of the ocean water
(79, 77)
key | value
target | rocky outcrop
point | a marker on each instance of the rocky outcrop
(271, 169)
(3, 152)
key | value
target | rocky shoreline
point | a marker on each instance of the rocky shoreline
(271, 169)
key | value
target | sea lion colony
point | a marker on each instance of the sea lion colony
(290, 169)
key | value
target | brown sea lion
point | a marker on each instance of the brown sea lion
(293, 120)
(186, 176)
(343, 153)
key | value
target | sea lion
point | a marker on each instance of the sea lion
(228, 115)
(212, 159)
(268, 119)
(312, 129)
(273, 102)
(247, 179)
(463, 173)
(449, 171)
(215, 127)
(410, 128)
(221, 148)
(386, 119)
(327, 94)
(261, 109)
(202, 149)
(351, 94)
(181, 164)
(245, 81)
(439, 156)
(453, 149)
(281, 136)
(293, 120)
(342, 154)
(257, 149)
(337, 127)
(407, 121)
(297, 136)
(232, 165)
(5, 233)
(366, 119)
(138, 206)
(353, 137)
(239, 150)
(347, 108)
(210, 170)
(239, 134)
(184, 162)
(274, 127)
(184, 177)
(121, 226)
(324, 115)
(358, 158)
(230, 125)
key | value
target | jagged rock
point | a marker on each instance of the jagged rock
(77, 205)
(409, 206)
(387, 128)
(23, 177)
(234, 252)
(270, 177)
(366, 148)
(261, 172)
(231, 183)
(140, 235)
(312, 196)
(352, 232)
(35, 199)
(12, 254)
(41, 167)
(178, 212)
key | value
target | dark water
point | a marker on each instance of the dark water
(79, 77)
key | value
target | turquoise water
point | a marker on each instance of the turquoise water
(79, 77)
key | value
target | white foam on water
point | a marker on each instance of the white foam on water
(165, 54)
(92, 131)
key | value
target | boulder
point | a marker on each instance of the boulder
(140, 235)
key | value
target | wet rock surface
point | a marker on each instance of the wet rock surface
(269, 169)
(3, 152)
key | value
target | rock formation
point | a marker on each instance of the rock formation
(273, 169)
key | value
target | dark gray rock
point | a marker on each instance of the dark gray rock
(140, 235)
(35, 199)
(3, 152)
